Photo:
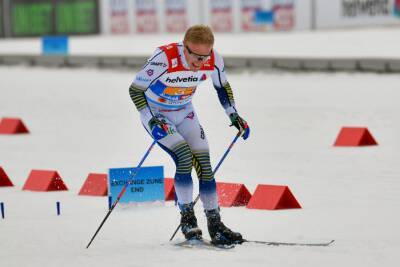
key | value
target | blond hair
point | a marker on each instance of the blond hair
(199, 34)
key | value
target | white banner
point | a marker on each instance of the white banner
(342, 13)
(119, 17)
(146, 16)
(221, 15)
(248, 12)
(284, 14)
(176, 15)
(262, 15)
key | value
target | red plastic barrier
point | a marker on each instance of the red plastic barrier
(95, 185)
(231, 194)
(273, 197)
(12, 126)
(169, 189)
(4, 179)
(355, 136)
(43, 180)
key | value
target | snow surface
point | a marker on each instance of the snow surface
(383, 42)
(82, 120)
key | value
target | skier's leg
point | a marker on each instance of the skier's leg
(175, 145)
(194, 135)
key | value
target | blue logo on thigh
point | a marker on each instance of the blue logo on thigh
(147, 185)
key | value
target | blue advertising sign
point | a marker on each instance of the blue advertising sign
(55, 45)
(147, 185)
(264, 17)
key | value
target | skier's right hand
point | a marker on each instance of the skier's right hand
(158, 127)
(240, 124)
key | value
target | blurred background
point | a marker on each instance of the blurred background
(22, 18)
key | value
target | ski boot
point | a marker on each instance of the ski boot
(189, 222)
(219, 233)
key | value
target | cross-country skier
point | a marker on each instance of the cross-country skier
(162, 92)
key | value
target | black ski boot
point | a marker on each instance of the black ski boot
(189, 222)
(219, 233)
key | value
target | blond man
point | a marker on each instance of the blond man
(162, 92)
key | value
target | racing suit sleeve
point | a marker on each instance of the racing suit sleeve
(155, 66)
(222, 85)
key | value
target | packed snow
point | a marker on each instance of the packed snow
(83, 120)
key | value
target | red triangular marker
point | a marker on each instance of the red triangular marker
(4, 179)
(355, 136)
(43, 180)
(272, 197)
(95, 185)
(169, 189)
(12, 126)
(231, 194)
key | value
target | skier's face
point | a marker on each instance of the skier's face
(197, 54)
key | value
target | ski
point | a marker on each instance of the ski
(202, 243)
(305, 244)
(207, 244)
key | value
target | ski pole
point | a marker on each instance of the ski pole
(122, 191)
(215, 170)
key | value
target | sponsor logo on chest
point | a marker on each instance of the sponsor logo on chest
(184, 80)
(179, 79)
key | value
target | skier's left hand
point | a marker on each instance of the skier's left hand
(240, 124)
